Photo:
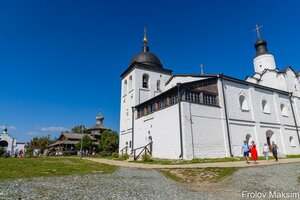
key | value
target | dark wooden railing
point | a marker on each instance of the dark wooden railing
(124, 149)
(147, 149)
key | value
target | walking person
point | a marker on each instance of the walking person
(254, 152)
(266, 151)
(245, 151)
(275, 150)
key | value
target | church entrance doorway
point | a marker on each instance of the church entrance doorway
(3, 143)
(270, 137)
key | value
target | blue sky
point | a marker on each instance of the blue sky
(60, 61)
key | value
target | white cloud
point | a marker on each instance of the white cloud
(12, 128)
(52, 129)
(32, 133)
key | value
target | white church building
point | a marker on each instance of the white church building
(10, 144)
(191, 116)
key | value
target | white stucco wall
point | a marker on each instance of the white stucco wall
(262, 62)
(203, 131)
(163, 127)
(135, 95)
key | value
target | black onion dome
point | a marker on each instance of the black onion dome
(147, 58)
(261, 47)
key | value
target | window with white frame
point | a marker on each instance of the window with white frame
(283, 109)
(243, 103)
(125, 87)
(292, 142)
(130, 84)
(145, 81)
(265, 106)
(158, 85)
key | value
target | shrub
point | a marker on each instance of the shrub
(147, 158)
(125, 156)
(5, 155)
(104, 154)
(115, 155)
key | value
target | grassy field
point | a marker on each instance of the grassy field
(198, 176)
(204, 160)
(34, 167)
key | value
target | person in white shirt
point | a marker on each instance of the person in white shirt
(266, 151)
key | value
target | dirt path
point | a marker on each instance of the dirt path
(239, 164)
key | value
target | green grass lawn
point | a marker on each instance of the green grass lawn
(197, 160)
(34, 167)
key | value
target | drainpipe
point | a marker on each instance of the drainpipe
(226, 115)
(132, 130)
(180, 123)
(295, 120)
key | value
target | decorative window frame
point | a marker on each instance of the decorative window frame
(266, 110)
(148, 81)
(284, 112)
(292, 142)
(124, 89)
(245, 105)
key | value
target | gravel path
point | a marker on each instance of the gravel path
(132, 183)
(280, 178)
(125, 183)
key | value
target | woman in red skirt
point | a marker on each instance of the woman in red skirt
(253, 152)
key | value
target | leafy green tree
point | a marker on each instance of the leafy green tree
(109, 141)
(78, 129)
(40, 142)
(87, 143)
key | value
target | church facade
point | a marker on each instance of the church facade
(10, 144)
(191, 116)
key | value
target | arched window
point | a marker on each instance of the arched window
(130, 83)
(265, 106)
(125, 88)
(283, 110)
(249, 139)
(243, 103)
(292, 142)
(145, 81)
(158, 85)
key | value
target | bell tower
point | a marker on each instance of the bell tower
(263, 58)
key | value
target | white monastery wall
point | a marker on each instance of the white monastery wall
(145, 94)
(274, 80)
(202, 131)
(163, 127)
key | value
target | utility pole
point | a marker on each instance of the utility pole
(81, 143)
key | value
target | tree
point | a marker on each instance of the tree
(87, 143)
(40, 142)
(78, 129)
(109, 141)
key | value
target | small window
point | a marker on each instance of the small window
(283, 110)
(265, 106)
(130, 84)
(158, 85)
(145, 81)
(292, 142)
(130, 144)
(243, 103)
(125, 88)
